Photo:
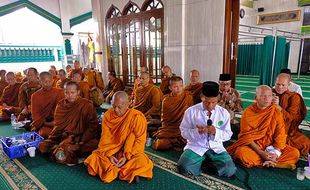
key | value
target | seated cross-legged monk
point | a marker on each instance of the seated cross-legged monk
(9, 98)
(76, 69)
(148, 98)
(137, 82)
(206, 126)
(43, 104)
(294, 110)
(120, 152)
(262, 138)
(195, 86)
(62, 79)
(75, 128)
(25, 91)
(115, 84)
(174, 105)
(84, 87)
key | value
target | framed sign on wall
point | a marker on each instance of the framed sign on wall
(279, 17)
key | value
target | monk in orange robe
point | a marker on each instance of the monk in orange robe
(195, 87)
(90, 77)
(120, 152)
(43, 104)
(84, 87)
(9, 98)
(53, 72)
(167, 74)
(148, 98)
(75, 131)
(77, 69)
(262, 138)
(3, 82)
(294, 111)
(62, 79)
(25, 91)
(173, 107)
(19, 77)
(136, 84)
(114, 85)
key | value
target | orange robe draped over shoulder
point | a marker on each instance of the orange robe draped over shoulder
(148, 101)
(55, 80)
(84, 89)
(164, 85)
(3, 84)
(10, 96)
(195, 90)
(125, 135)
(294, 111)
(42, 108)
(75, 130)
(173, 108)
(264, 127)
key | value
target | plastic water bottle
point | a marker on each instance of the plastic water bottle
(13, 121)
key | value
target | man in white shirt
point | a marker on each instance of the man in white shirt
(206, 126)
(293, 87)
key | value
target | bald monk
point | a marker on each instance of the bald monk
(53, 72)
(120, 152)
(294, 110)
(136, 84)
(174, 105)
(25, 91)
(195, 87)
(62, 79)
(115, 84)
(262, 138)
(9, 98)
(148, 98)
(167, 74)
(3, 82)
(43, 104)
(74, 134)
(84, 87)
(76, 69)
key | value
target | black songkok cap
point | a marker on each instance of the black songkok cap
(287, 71)
(225, 77)
(210, 89)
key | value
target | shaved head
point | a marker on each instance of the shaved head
(194, 76)
(166, 70)
(45, 74)
(144, 79)
(282, 83)
(120, 103)
(263, 96)
(10, 78)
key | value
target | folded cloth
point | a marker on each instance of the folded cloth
(273, 150)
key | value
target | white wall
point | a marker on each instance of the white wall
(193, 34)
(272, 6)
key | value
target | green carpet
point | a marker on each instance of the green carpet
(41, 173)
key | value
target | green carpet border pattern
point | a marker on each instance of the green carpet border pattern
(17, 176)
(203, 180)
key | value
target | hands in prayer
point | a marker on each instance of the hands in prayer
(118, 163)
(206, 129)
(270, 159)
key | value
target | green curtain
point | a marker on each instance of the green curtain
(281, 57)
(256, 59)
(249, 59)
(266, 59)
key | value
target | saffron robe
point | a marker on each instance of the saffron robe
(164, 85)
(84, 89)
(169, 134)
(61, 84)
(75, 130)
(42, 108)
(148, 101)
(264, 127)
(195, 90)
(121, 136)
(3, 84)
(294, 111)
(113, 86)
(10, 97)
(55, 79)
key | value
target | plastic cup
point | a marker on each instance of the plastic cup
(31, 151)
(148, 141)
(300, 174)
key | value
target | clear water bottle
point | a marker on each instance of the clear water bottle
(13, 121)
